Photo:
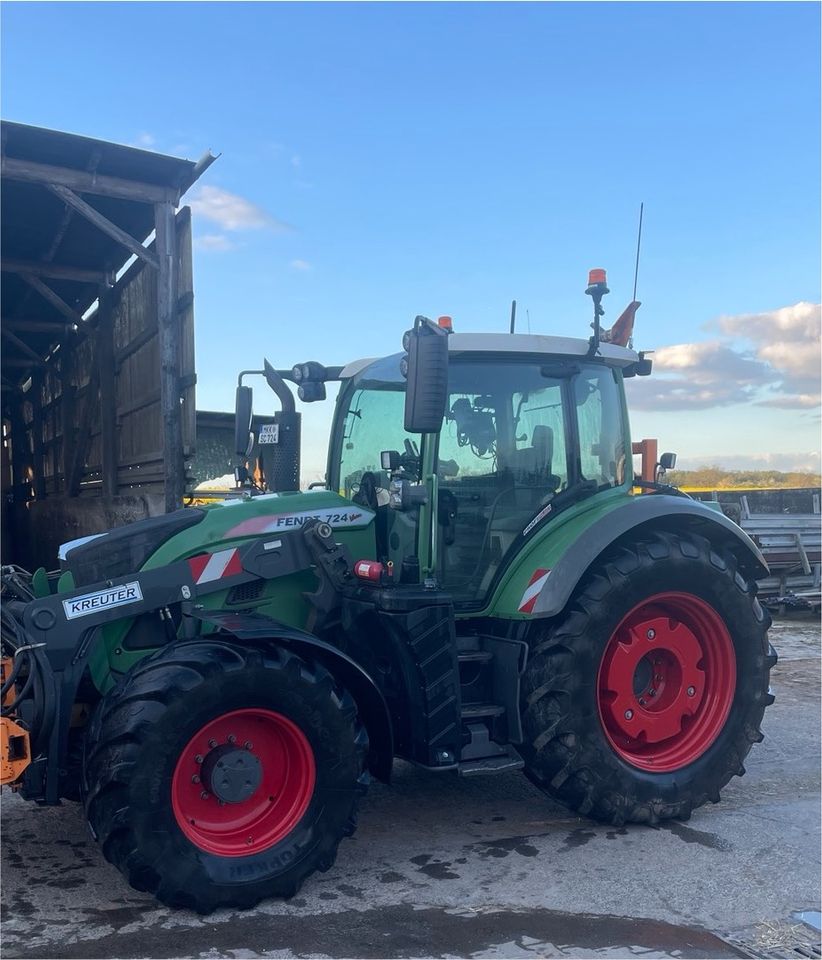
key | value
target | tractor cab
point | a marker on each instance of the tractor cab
(529, 423)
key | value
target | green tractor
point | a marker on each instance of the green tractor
(478, 588)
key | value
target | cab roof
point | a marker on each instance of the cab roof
(532, 344)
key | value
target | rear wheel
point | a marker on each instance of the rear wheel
(217, 775)
(643, 700)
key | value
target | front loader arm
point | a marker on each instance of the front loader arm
(66, 627)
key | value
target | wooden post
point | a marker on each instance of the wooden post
(108, 393)
(62, 453)
(19, 452)
(81, 447)
(172, 435)
(37, 436)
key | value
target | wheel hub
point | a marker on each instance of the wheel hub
(232, 774)
(666, 681)
(243, 782)
(650, 671)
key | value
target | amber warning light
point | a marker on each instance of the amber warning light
(596, 276)
(446, 323)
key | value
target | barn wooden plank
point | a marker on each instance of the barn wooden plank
(23, 347)
(54, 271)
(56, 301)
(108, 398)
(85, 181)
(81, 446)
(164, 221)
(70, 198)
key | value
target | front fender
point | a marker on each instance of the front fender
(373, 710)
(546, 590)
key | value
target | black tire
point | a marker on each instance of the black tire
(135, 740)
(566, 750)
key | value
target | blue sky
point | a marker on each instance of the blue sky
(384, 160)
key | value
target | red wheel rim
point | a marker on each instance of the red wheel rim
(666, 682)
(261, 764)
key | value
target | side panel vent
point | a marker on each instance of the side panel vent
(245, 592)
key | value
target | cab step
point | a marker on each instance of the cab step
(475, 656)
(483, 756)
(487, 765)
(476, 710)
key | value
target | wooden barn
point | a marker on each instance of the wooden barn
(98, 374)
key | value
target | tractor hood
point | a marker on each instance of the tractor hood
(160, 540)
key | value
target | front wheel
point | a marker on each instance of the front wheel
(643, 700)
(216, 775)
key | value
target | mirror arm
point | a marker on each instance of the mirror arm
(278, 385)
(248, 373)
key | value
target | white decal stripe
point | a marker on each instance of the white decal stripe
(533, 589)
(215, 566)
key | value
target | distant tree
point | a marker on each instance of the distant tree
(715, 478)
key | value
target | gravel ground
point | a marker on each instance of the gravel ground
(447, 867)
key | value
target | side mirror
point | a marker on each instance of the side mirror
(640, 368)
(243, 441)
(390, 460)
(666, 462)
(426, 394)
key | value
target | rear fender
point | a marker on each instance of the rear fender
(547, 594)
(254, 628)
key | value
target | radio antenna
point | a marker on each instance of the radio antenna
(638, 242)
(513, 315)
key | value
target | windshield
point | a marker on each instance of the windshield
(373, 423)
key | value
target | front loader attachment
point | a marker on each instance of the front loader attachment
(15, 746)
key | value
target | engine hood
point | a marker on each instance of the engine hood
(147, 544)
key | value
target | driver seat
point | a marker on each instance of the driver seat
(532, 465)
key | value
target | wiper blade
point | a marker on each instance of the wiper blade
(579, 491)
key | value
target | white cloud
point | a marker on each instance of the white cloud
(301, 265)
(790, 340)
(214, 241)
(781, 368)
(145, 140)
(231, 211)
(808, 401)
(705, 362)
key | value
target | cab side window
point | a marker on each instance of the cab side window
(539, 458)
(599, 420)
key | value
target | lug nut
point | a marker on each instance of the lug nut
(212, 743)
(232, 738)
(204, 795)
(652, 693)
(250, 840)
(198, 758)
(651, 634)
(248, 745)
(691, 691)
(629, 714)
(195, 779)
(658, 678)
